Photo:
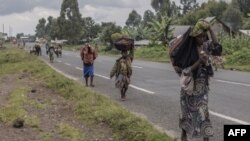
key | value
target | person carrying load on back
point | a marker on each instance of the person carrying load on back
(51, 51)
(122, 68)
(88, 55)
(190, 57)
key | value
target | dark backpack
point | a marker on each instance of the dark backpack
(182, 52)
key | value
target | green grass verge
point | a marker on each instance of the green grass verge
(70, 132)
(238, 67)
(157, 54)
(154, 53)
(15, 109)
(46, 136)
(88, 105)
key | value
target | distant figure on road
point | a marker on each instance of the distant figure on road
(51, 52)
(58, 51)
(218, 62)
(192, 64)
(88, 55)
(38, 49)
(122, 70)
(47, 48)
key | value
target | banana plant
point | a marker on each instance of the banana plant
(160, 30)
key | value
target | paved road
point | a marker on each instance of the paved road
(154, 93)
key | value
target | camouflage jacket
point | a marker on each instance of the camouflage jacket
(123, 66)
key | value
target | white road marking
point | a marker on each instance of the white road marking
(59, 71)
(141, 89)
(79, 68)
(137, 67)
(229, 118)
(235, 83)
(132, 86)
(59, 61)
(149, 92)
(67, 64)
(105, 77)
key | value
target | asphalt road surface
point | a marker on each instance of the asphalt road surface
(154, 92)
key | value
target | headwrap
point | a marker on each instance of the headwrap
(200, 27)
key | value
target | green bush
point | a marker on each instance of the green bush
(152, 53)
(240, 57)
(231, 45)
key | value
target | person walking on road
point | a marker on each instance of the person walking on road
(194, 68)
(51, 51)
(88, 55)
(123, 72)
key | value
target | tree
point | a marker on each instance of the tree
(188, 5)
(48, 26)
(90, 28)
(147, 17)
(216, 8)
(54, 29)
(40, 28)
(244, 6)
(142, 33)
(233, 16)
(212, 8)
(108, 28)
(161, 30)
(164, 8)
(136, 33)
(134, 19)
(18, 35)
(70, 21)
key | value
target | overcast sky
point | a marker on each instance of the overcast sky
(22, 15)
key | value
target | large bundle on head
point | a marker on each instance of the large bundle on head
(124, 44)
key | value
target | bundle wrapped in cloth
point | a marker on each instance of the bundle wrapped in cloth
(124, 44)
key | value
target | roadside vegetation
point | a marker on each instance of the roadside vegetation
(154, 26)
(237, 53)
(89, 107)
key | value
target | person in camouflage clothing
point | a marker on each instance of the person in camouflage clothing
(122, 69)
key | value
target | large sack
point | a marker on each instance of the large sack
(182, 52)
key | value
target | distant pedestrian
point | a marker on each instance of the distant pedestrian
(218, 61)
(88, 55)
(122, 68)
(47, 48)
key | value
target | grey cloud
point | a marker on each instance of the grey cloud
(19, 6)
